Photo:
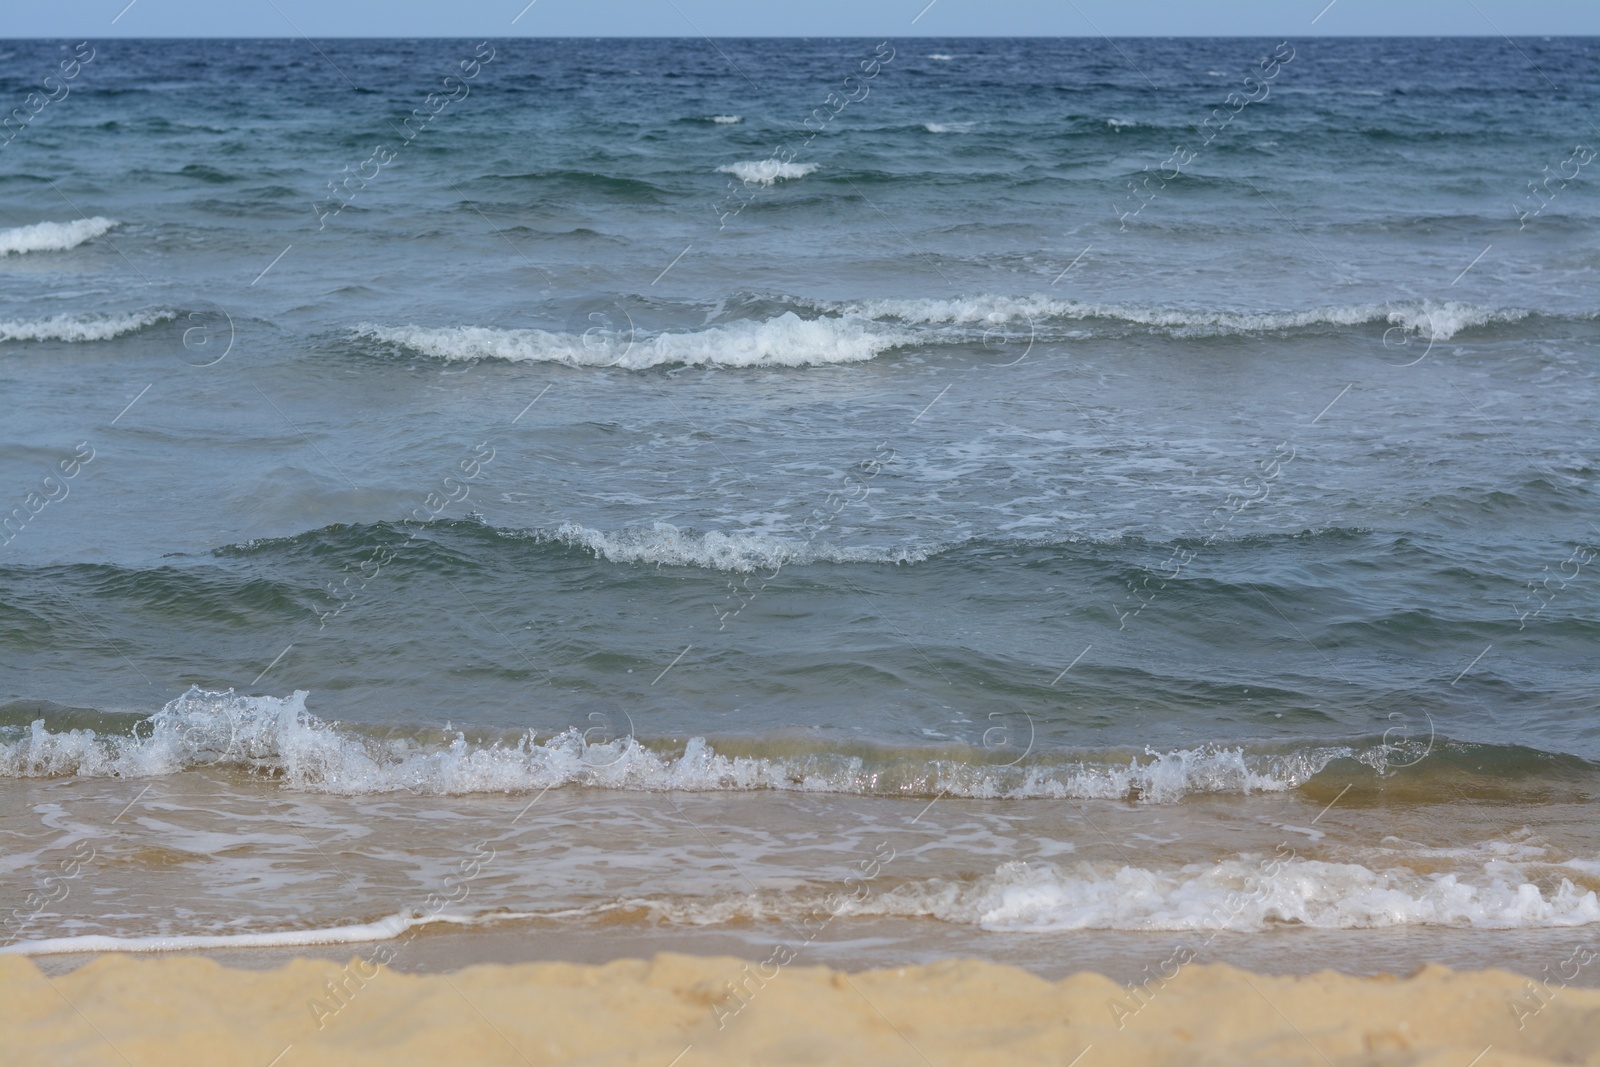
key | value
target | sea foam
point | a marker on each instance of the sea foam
(1241, 894)
(663, 544)
(384, 929)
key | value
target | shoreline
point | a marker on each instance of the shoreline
(1124, 956)
(686, 1010)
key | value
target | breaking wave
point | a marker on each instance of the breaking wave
(664, 544)
(1440, 321)
(92, 327)
(767, 171)
(855, 331)
(53, 236)
(785, 341)
(279, 738)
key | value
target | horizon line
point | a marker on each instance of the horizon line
(806, 37)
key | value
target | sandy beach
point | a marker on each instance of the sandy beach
(677, 1009)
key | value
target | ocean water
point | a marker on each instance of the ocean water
(1038, 499)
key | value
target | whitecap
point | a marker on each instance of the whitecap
(1438, 320)
(663, 544)
(53, 236)
(785, 341)
(767, 171)
(91, 327)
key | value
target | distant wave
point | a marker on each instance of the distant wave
(854, 331)
(280, 737)
(1439, 320)
(767, 171)
(726, 120)
(785, 341)
(664, 544)
(948, 127)
(582, 183)
(93, 327)
(53, 236)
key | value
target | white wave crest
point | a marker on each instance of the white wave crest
(948, 127)
(80, 327)
(786, 341)
(726, 120)
(53, 236)
(667, 545)
(766, 171)
(1440, 321)
(850, 332)
(277, 735)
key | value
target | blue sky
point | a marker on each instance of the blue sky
(812, 18)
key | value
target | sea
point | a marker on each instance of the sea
(1077, 503)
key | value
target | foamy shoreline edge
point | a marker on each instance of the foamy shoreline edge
(690, 1010)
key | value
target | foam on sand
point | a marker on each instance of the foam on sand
(707, 1012)
(384, 929)
(1245, 894)
(53, 236)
